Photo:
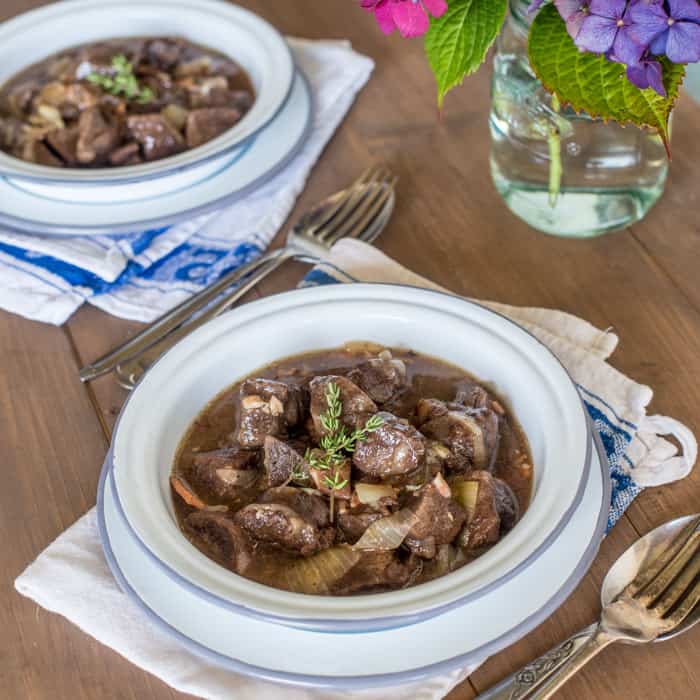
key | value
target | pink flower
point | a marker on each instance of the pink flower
(409, 16)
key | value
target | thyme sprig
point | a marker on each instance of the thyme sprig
(122, 81)
(337, 444)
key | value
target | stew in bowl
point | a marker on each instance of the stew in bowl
(354, 470)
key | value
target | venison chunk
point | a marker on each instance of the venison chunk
(220, 535)
(374, 570)
(470, 434)
(357, 407)
(438, 515)
(394, 449)
(226, 472)
(381, 377)
(282, 460)
(156, 135)
(206, 124)
(268, 407)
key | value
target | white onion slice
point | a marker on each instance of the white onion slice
(316, 575)
(370, 494)
(387, 533)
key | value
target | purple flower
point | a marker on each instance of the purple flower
(606, 30)
(573, 12)
(647, 73)
(675, 33)
(409, 16)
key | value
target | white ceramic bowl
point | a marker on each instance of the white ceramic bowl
(496, 350)
(231, 30)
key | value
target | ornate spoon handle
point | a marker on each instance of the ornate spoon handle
(532, 676)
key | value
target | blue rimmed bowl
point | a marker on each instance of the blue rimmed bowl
(238, 33)
(496, 350)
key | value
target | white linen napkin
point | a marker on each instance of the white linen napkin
(143, 274)
(71, 576)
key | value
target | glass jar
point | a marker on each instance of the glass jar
(564, 173)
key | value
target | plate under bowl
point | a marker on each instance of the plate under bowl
(233, 31)
(463, 637)
(495, 349)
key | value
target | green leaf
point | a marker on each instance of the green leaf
(591, 83)
(457, 42)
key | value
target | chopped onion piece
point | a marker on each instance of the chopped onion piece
(466, 493)
(387, 533)
(370, 494)
(316, 575)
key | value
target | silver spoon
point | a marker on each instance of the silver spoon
(542, 677)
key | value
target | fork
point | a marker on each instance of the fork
(362, 214)
(657, 601)
(346, 206)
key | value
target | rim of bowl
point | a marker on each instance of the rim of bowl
(377, 680)
(12, 167)
(367, 622)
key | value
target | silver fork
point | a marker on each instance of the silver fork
(362, 216)
(342, 207)
(656, 602)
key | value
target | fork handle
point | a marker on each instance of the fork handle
(171, 320)
(130, 371)
(532, 676)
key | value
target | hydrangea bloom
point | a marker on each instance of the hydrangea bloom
(410, 17)
(647, 73)
(573, 12)
(674, 32)
(606, 29)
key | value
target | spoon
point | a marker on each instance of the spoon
(549, 667)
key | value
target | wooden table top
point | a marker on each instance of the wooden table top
(449, 225)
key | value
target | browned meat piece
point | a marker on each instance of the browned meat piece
(507, 505)
(11, 133)
(375, 570)
(37, 152)
(128, 154)
(438, 458)
(354, 521)
(394, 449)
(438, 515)
(472, 395)
(381, 377)
(164, 53)
(470, 434)
(156, 135)
(96, 136)
(496, 512)
(65, 143)
(282, 460)
(289, 518)
(226, 472)
(268, 407)
(338, 473)
(310, 506)
(357, 407)
(19, 98)
(205, 124)
(222, 537)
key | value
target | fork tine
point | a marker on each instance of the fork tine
(677, 590)
(378, 224)
(363, 215)
(665, 577)
(686, 605)
(649, 572)
(347, 203)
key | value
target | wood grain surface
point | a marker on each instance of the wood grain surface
(450, 226)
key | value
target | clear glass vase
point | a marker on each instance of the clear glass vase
(564, 173)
